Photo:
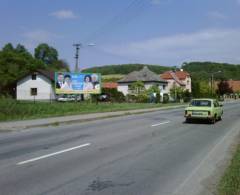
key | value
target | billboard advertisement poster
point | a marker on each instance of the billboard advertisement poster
(77, 83)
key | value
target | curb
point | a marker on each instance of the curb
(55, 121)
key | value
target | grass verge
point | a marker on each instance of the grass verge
(230, 182)
(19, 110)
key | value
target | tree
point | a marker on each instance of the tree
(205, 89)
(61, 65)
(154, 89)
(187, 96)
(21, 49)
(8, 48)
(46, 53)
(196, 88)
(137, 87)
(14, 65)
(176, 92)
(224, 88)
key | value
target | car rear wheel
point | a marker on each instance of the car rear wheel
(213, 120)
(220, 117)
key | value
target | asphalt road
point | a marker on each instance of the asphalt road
(144, 154)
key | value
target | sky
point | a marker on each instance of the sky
(161, 32)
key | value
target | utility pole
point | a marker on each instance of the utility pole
(212, 80)
(78, 46)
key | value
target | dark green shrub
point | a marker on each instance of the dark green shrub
(131, 98)
(142, 98)
(114, 95)
(158, 98)
(165, 98)
(187, 96)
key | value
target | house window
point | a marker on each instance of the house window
(34, 76)
(164, 87)
(33, 91)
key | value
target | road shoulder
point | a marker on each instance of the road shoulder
(55, 121)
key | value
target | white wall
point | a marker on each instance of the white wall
(188, 83)
(170, 85)
(44, 87)
(123, 87)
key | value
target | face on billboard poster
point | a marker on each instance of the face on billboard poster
(77, 83)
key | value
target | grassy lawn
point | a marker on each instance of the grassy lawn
(19, 110)
(230, 182)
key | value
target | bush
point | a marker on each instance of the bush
(186, 96)
(114, 95)
(131, 98)
(142, 98)
(165, 98)
(158, 98)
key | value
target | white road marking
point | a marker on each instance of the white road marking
(166, 122)
(53, 154)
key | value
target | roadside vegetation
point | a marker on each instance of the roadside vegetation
(20, 110)
(16, 62)
(230, 182)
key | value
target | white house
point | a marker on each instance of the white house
(38, 85)
(177, 78)
(148, 77)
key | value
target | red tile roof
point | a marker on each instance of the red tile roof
(235, 85)
(110, 85)
(180, 74)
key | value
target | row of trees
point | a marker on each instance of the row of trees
(202, 88)
(16, 62)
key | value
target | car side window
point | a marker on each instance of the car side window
(216, 104)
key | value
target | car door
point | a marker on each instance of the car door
(217, 109)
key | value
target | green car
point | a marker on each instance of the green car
(207, 109)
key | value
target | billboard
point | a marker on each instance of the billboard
(77, 83)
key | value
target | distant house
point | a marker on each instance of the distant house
(37, 85)
(177, 78)
(110, 85)
(148, 77)
(234, 85)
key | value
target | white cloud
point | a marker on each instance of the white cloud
(64, 14)
(32, 38)
(209, 45)
(217, 15)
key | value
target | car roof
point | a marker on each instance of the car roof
(208, 99)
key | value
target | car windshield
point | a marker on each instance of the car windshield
(205, 103)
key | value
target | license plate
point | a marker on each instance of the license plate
(197, 113)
